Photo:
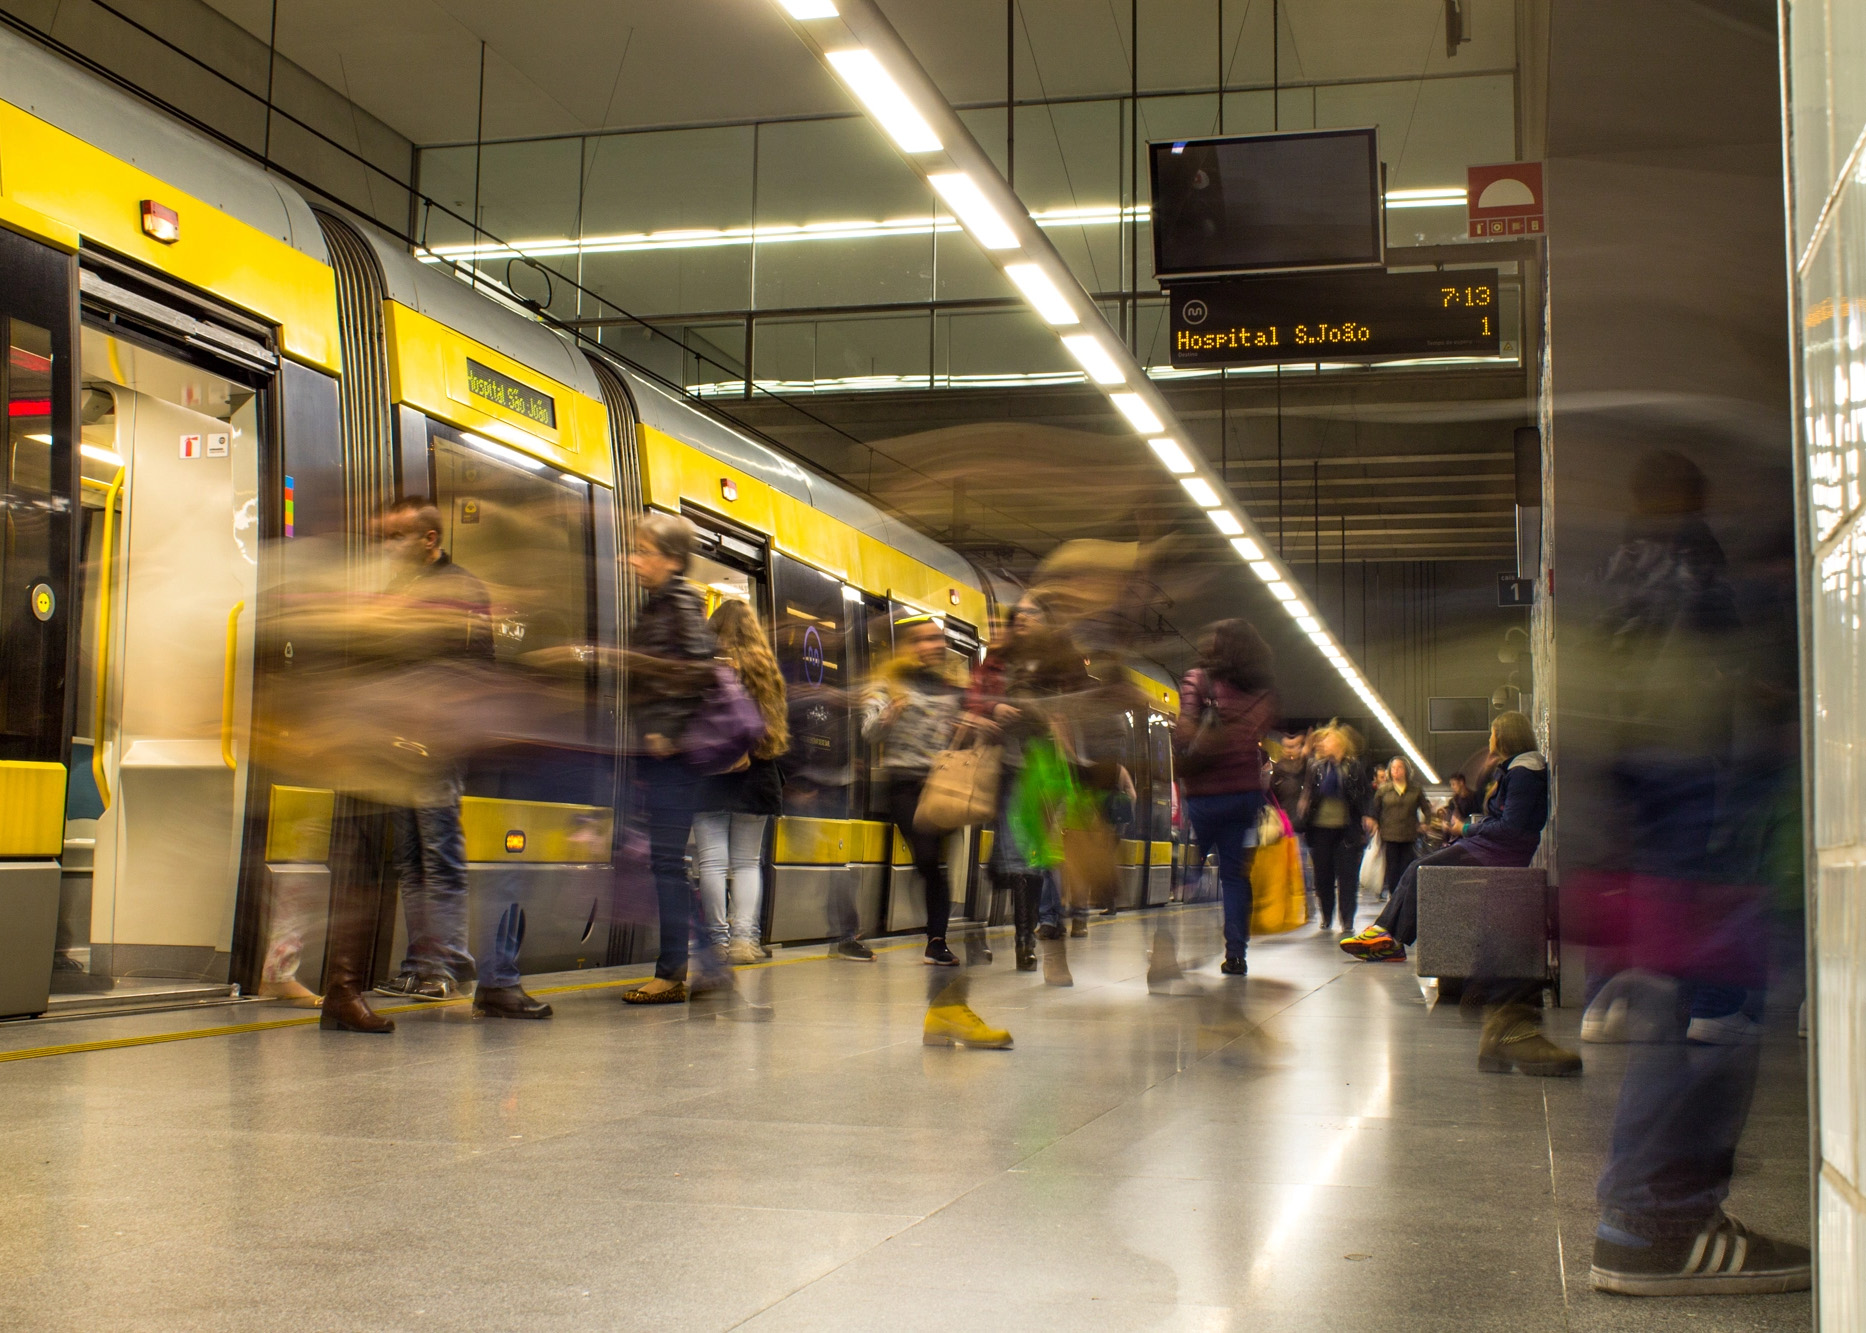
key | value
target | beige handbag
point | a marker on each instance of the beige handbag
(962, 788)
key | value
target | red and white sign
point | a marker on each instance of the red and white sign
(1504, 200)
(191, 446)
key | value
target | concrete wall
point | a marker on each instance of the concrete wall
(1666, 312)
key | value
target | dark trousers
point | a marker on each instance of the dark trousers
(1337, 856)
(1399, 856)
(670, 791)
(1400, 917)
(1228, 822)
(903, 801)
(1682, 1110)
(361, 863)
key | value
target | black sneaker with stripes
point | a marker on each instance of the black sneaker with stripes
(1724, 1259)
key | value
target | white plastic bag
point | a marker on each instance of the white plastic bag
(1374, 867)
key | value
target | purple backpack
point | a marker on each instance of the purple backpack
(725, 727)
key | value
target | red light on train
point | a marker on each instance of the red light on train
(160, 222)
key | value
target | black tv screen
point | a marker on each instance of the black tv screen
(1266, 202)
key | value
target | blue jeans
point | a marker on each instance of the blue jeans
(1050, 901)
(430, 866)
(670, 791)
(1682, 1110)
(1228, 821)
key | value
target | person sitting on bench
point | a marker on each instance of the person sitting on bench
(1506, 833)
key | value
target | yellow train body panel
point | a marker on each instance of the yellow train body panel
(531, 831)
(674, 472)
(298, 825)
(32, 809)
(428, 370)
(59, 188)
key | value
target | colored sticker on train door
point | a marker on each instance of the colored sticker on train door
(217, 446)
(191, 446)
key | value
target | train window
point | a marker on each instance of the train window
(1160, 776)
(811, 637)
(523, 529)
(878, 646)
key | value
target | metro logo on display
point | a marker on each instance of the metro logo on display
(1505, 200)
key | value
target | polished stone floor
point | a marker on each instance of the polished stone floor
(1310, 1150)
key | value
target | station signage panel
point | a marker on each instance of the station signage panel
(1333, 317)
(1505, 201)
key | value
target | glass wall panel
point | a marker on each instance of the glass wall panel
(1069, 49)
(853, 352)
(819, 176)
(447, 179)
(1182, 46)
(1324, 40)
(639, 187)
(960, 43)
(977, 347)
(1070, 173)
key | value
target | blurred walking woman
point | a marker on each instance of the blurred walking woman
(670, 668)
(1334, 808)
(736, 807)
(1399, 806)
(1226, 705)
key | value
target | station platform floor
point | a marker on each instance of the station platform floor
(1312, 1150)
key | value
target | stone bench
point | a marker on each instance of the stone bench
(1481, 921)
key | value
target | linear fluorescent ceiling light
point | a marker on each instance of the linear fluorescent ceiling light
(1045, 297)
(1226, 522)
(884, 99)
(1087, 349)
(1138, 414)
(1264, 570)
(1171, 454)
(810, 9)
(969, 205)
(1201, 492)
(1247, 548)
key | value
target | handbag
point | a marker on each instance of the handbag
(961, 787)
(1208, 745)
(725, 727)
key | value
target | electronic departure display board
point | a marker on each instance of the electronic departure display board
(1254, 203)
(1333, 317)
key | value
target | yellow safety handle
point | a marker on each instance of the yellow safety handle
(103, 637)
(227, 680)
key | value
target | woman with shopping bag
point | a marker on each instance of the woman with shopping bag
(1226, 706)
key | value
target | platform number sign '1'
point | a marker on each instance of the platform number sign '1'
(1334, 317)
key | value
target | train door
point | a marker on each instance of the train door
(35, 607)
(172, 438)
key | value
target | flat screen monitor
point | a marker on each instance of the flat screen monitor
(1257, 203)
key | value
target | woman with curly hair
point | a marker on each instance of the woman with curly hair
(736, 807)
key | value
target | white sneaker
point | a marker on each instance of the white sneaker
(742, 952)
(1736, 1029)
(1604, 1023)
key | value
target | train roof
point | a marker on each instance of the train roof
(62, 94)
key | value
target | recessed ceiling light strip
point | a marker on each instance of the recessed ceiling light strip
(864, 50)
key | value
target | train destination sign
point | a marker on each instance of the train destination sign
(1333, 317)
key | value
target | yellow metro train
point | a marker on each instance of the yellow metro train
(206, 379)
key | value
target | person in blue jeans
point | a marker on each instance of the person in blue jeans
(670, 666)
(443, 620)
(1226, 706)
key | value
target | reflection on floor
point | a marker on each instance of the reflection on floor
(1325, 1156)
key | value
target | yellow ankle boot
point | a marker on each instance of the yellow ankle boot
(956, 1024)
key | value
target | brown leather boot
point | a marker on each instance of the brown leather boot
(358, 838)
(1513, 1040)
(347, 1011)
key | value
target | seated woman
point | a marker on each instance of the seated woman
(1506, 833)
